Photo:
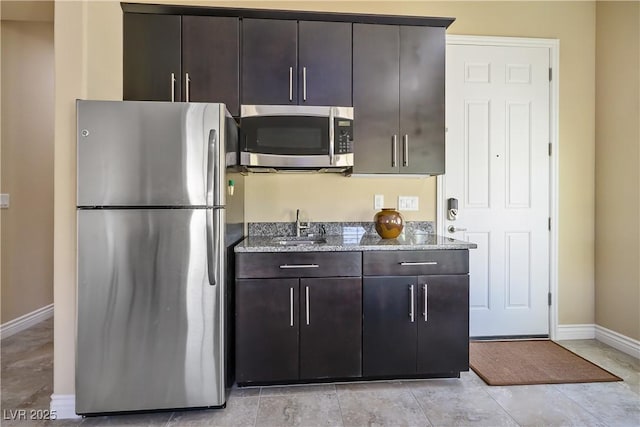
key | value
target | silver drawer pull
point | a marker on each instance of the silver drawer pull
(283, 266)
(407, 263)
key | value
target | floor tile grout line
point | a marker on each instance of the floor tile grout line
(339, 405)
(500, 405)
(559, 390)
(255, 418)
(424, 412)
(169, 420)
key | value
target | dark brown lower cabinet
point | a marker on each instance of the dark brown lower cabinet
(443, 328)
(415, 325)
(330, 327)
(389, 336)
(266, 330)
(298, 329)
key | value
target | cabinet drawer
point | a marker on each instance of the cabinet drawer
(414, 263)
(299, 264)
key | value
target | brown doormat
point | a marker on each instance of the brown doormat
(532, 362)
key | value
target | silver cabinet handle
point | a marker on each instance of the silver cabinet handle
(394, 151)
(409, 263)
(290, 306)
(452, 229)
(290, 83)
(306, 290)
(411, 313)
(285, 266)
(304, 83)
(424, 289)
(173, 87)
(405, 150)
(187, 80)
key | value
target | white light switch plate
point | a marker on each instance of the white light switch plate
(407, 203)
(378, 201)
(4, 201)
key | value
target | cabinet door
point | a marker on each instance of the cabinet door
(266, 330)
(330, 328)
(211, 57)
(443, 328)
(422, 54)
(324, 63)
(151, 54)
(269, 61)
(376, 86)
(389, 332)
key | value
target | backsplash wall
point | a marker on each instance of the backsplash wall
(333, 197)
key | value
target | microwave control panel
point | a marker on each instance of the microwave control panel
(343, 136)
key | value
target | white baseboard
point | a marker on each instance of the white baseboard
(26, 321)
(575, 332)
(590, 331)
(64, 406)
(618, 341)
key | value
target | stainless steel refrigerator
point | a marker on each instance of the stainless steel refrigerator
(159, 208)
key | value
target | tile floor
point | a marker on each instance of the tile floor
(27, 382)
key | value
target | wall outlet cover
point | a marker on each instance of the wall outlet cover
(378, 201)
(4, 200)
(408, 203)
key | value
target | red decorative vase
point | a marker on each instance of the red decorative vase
(389, 223)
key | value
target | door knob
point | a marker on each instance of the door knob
(452, 229)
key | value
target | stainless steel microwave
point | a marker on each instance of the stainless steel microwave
(296, 137)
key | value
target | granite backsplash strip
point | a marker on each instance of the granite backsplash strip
(332, 228)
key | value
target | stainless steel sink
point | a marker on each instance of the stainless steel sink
(299, 241)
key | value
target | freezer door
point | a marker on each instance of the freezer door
(136, 153)
(151, 318)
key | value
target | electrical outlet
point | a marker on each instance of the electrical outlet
(4, 200)
(407, 203)
(378, 201)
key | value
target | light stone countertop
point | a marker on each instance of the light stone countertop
(355, 242)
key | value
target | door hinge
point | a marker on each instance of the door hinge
(549, 223)
(550, 74)
(549, 298)
(550, 149)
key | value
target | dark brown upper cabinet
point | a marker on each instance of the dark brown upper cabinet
(296, 62)
(398, 99)
(152, 61)
(324, 63)
(182, 58)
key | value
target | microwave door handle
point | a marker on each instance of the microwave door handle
(331, 135)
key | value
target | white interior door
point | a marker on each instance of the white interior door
(497, 167)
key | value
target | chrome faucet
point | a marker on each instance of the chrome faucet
(300, 225)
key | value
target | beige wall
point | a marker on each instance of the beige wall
(89, 64)
(27, 167)
(25, 10)
(617, 167)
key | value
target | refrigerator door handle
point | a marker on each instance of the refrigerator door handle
(213, 245)
(211, 168)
